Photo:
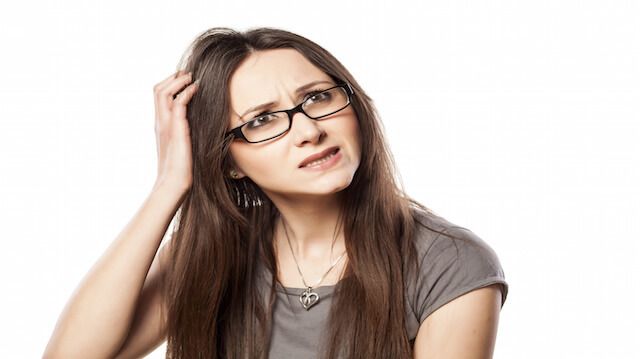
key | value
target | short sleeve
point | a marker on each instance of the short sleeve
(450, 267)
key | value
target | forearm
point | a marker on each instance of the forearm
(96, 319)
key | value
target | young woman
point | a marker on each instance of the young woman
(292, 238)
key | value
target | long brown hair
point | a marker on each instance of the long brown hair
(225, 226)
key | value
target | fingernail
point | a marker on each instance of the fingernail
(196, 82)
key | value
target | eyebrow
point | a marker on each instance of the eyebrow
(297, 92)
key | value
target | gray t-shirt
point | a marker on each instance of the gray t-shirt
(443, 276)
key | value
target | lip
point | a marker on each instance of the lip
(326, 165)
(317, 156)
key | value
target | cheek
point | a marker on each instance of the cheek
(353, 130)
(259, 162)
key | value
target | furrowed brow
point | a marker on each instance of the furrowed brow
(298, 92)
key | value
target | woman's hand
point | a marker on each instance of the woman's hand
(172, 131)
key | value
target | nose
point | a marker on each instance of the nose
(306, 129)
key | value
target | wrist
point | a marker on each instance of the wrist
(170, 188)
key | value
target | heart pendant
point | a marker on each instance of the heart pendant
(308, 298)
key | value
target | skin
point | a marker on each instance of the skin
(307, 200)
(464, 328)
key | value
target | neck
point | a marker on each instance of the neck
(312, 228)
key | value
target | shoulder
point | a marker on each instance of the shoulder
(436, 236)
(452, 260)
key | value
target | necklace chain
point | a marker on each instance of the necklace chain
(307, 294)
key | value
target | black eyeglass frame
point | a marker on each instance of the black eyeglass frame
(237, 131)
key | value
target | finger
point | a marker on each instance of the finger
(174, 75)
(185, 95)
(162, 84)
(173, 87)
(165, 96)
(181, 101)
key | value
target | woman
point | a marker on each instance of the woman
(293, 239)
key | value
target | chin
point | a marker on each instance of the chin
(333, 184)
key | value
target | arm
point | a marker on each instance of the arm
(464, 328)
(148, 329)
(99, 315)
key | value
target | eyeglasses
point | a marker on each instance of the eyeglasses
(273, 124)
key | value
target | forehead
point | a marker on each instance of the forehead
(262, 76)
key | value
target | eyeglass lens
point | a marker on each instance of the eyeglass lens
(271, 125)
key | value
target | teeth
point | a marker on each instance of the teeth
(322, 160)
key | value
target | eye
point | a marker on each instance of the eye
(311, 94)
(307, 96)
(320, 96)
(257, 117)
(260, 120)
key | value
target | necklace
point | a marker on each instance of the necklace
(308, 297)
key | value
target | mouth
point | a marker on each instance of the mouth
(318, 159)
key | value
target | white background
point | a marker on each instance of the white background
(518, 120)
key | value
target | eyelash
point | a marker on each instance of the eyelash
(306, 97)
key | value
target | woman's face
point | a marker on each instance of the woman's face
(274, 75)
